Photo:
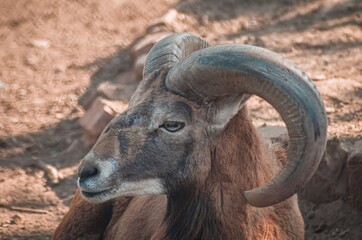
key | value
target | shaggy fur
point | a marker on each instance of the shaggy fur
(214, 208)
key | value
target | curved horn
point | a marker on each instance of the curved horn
(170, 50)
(165, 54)
(229, 69)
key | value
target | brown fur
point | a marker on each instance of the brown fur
(216, 209)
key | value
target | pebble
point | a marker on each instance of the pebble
(319, 77)
(32, 60)
(40, 43)
(330, 109)
(15, 219)
(2, 85)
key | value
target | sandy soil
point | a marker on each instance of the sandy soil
(52, 52)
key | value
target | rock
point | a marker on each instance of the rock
(100, 113)
(145, 45)
(173, 18)
(60, 67)
(121, 89)
(52, 173)
(329, 182)
(139, 65)
(2, 85)
(354, 166)
(330, 109)
(40, 43)
(318, 77)
(32, 60)
(15, 219)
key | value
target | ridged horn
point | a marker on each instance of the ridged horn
(170, 50)
(164, 54)
(225, 70)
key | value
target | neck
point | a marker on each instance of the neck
(218, 209)
(192, 215)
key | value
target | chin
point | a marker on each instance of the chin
(126, 189)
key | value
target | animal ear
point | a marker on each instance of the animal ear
(223, 109)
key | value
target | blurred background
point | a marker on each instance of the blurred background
(68, 66)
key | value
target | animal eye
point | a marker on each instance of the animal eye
(173, 126)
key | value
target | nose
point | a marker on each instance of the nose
(87, 171)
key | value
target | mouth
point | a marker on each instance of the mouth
(91, 195)
(142, 187)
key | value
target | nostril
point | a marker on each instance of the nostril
(88, 171)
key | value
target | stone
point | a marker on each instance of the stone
(40, 43)
(99, 115)
(329, 182)
(318, 77)
(32, 60)
(330, 110)
(121, 89)
(354, 167)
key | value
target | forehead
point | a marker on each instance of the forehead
(155, 104)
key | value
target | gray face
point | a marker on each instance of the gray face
(149, 149)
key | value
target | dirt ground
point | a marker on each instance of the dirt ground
(52, 52)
